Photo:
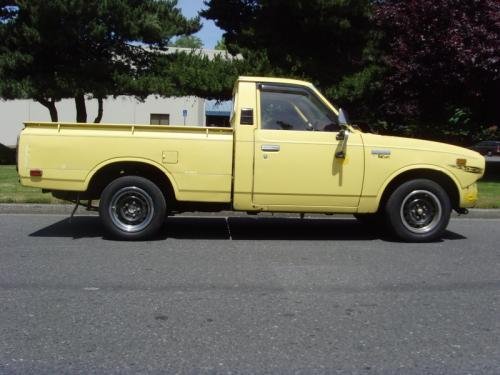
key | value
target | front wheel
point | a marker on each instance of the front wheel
(132, 208)
(418, 211)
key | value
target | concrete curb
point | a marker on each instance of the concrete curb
(65, 209)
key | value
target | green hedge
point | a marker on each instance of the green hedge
(7, 155)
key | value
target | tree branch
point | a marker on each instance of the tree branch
(100, 110)
(50, 104)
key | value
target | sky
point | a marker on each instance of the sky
(209, 34)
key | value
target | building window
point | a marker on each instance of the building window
(160, 119)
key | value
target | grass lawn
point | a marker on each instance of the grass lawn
(489, 194)
(12, 192)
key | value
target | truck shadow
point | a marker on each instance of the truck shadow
(235, 228)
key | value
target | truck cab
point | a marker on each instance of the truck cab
(301, 159)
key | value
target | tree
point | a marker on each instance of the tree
(221, 45)
(194, 73)
(57, 49)
(443, 65)
(322, 40)
(188, 41)
(425, 67)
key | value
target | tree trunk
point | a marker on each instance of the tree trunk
(81, 110)
(100, 110)
(51, 106)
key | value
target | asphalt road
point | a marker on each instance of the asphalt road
(247, 295)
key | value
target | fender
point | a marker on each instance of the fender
(371, 204)
(152, 163)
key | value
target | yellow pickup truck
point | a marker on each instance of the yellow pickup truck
(288, 150)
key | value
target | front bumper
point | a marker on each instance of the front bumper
(468, 196)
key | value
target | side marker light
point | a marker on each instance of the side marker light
(36, 173)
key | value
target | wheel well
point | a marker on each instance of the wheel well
(104, 176)
(439, 177)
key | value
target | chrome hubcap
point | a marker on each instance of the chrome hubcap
(131, 209)
(421, 211)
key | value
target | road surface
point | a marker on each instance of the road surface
(250, 295)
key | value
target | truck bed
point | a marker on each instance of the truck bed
(198, 161)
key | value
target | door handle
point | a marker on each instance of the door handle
(270, 148)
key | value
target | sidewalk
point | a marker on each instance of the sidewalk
(64, 209)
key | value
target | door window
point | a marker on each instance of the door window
(295, 110)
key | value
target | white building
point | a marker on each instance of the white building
(123, 109)
(156, 110)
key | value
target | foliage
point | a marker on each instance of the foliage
(188, 41)
(422, 67)
(486, 133)
(321, 40)
(184, 74)
(221, 45)
(7, 155)
(204, 77)
(442, 64)
(57, 49)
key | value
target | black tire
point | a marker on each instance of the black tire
(132, 208)
(418, 211)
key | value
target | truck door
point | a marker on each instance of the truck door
(296, 158)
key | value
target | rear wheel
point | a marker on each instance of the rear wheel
(418, 211)
(132, 208)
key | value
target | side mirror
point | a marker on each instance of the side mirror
(344, 137)
(342, 134)
(342, 117)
